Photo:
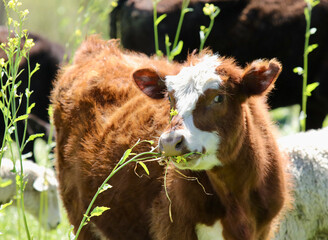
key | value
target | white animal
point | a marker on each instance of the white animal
(38, 179)
(309, 157)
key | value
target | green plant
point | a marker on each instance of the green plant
(209, 10)
(212, 11)
(307, 89)
(325, 122)
(177, 45)
(11, 100)
(44, 157)
(90, 13)
(138, 158)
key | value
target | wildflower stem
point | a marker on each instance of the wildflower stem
(114, 171)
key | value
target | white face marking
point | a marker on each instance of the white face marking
(205, 232)
(196, 140)
(188, 86)
(193, 81)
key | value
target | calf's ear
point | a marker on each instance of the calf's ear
(259, 77)
(150, 82)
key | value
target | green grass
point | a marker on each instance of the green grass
(8, 226)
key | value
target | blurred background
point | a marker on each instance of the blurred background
(57, 20)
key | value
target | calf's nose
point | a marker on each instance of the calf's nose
(172, 144)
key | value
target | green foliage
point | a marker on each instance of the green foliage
(307, 89)
(310, 87)
(3, 206)
(144, 167)
(9, 218)
(105, 187)
(125, 159)
(11, 99)
(89, 15)
(5, 182)
(98, 211)
(325, 122)
(171, 50)
(212, 11)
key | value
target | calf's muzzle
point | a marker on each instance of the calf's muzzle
(172, 144)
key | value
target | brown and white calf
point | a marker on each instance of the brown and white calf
(101, 109)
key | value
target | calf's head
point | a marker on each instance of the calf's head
(208, 95)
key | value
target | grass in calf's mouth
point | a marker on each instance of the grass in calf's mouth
(165, 161)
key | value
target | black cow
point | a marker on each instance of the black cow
(245, 29)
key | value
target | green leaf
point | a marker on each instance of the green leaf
(22, 117)
(97, 211)
(325, 122)
(144, 167)
(105, 187)
(17, 85)
(34, 136)
(312, 47)
(315, 3)
(310, 88)
(3, 206)
(167, 41)
(50, 111)
(2, 106)
(159, 53)
(125, 156)
(28, 92)
(151, 142)
(160, 18)
(186, 10)
(177, 50)
(5, 182)
(29, 109)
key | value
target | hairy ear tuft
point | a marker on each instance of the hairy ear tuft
(150, 83)
(259, 77)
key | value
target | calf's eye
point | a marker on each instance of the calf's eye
(218, 99)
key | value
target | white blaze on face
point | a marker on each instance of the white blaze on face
(187, 87)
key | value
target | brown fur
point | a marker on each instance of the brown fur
(99, 112)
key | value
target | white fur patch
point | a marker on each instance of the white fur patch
(196, 140)
(188, 86)
(205, 232)
(193, 81)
